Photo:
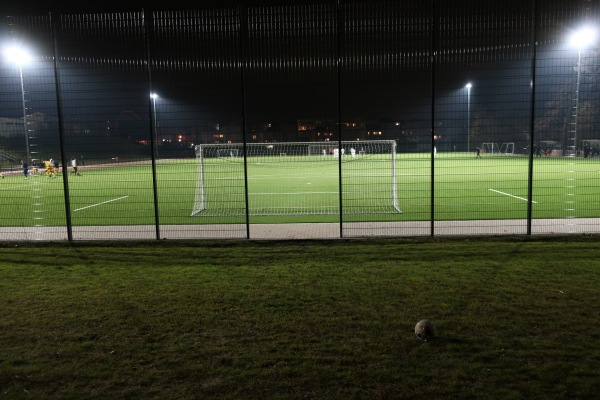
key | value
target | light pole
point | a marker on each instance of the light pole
(579, 40)
(20, 57)
(468, 86)
(154, 96)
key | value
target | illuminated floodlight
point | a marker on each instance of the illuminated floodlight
(583, 38)
(17, 55)
(153, 96)
(468, 85)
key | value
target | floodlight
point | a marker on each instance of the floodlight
(583, 38)
(17, 55)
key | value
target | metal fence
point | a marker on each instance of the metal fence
(493, 108)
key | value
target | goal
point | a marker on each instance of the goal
(491, 148)
(313, 178)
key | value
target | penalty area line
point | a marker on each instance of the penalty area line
(99, 204)
(510, 195)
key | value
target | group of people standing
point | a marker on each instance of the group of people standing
(538, 151)
(590, 151)
(335, 152)
(51, 168)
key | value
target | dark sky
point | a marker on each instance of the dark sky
(42, 7)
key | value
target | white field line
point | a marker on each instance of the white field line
(32, 184)
(289, 193)
(99, 204)
(510, 195)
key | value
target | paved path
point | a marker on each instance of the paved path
(306, 231)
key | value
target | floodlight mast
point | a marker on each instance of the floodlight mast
(580, 40)
(468, 86)
(20, 57)
(154, 96)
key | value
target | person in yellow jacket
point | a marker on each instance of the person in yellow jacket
(50, 168)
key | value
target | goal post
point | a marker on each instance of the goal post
(296, 178)
(507, 148)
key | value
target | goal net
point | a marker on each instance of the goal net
(507, 148)
(227, 152)
(298, 178)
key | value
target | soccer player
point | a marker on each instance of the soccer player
(25, 168)
(352, 152)
(50, 168)
(54, 166)
(74, 165)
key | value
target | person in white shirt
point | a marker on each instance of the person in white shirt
(74, 166)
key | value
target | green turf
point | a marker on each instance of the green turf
(297, 189)
(517, 318)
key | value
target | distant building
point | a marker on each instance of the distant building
(10, 127)
(322, 130)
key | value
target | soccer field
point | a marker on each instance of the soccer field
(307, 189)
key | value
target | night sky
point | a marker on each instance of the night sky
(41, 7)
(386, 71)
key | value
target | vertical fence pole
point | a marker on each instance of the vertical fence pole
(432, 58)
(61, 130)
(147, 32)
(339, 107)
(532, 114)
(243, 20)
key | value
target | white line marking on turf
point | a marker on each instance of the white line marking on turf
(99, 204)
(510, 195)
(32, 184)
(290, 193)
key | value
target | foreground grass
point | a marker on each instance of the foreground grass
(517, 318)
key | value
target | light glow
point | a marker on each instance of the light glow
(583, 38)
(17, 55)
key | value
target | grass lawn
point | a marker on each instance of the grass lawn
(516, 318)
